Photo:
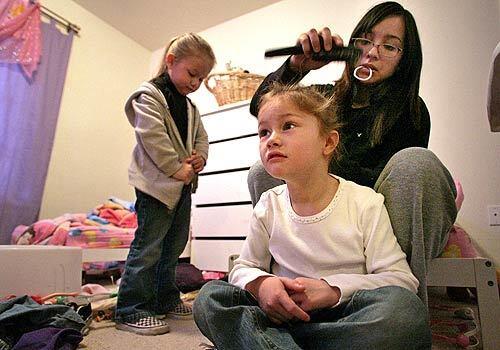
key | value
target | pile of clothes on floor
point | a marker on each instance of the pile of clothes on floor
(34, 322)
(61, 320)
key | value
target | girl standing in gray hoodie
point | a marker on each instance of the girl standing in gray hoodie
(172, 148)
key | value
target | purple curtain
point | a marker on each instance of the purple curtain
(28, 117)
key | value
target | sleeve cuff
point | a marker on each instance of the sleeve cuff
(288, 75)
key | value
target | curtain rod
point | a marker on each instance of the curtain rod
(59, 19)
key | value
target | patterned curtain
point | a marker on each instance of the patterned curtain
(29, 108)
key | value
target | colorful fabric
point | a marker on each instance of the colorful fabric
(103, 228)
(20, 34)
(459, 245)
(106, 236)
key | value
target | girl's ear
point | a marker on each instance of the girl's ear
(169, 60)
(331, 143)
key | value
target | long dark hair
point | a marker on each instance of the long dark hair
(398, 92)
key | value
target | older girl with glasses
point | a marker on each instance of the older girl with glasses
(386, 129)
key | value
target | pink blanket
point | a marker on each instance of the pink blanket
(109, 225)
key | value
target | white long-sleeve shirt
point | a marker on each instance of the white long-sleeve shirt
(350, 244)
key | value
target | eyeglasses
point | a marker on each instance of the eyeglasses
(385, 50)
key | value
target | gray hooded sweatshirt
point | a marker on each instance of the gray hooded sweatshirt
(160, 151)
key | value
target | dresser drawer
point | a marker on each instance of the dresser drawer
(222, 188)
(229, 123)
(213, 255)
(222, 221)
(232, 154)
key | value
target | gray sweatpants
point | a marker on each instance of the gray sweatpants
(419, 196)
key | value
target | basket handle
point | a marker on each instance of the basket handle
(206, 83)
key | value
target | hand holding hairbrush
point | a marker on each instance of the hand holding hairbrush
(337, 53)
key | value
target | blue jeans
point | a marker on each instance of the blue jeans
(385, 318)
(148, 282)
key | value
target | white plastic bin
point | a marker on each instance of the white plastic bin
(39, 270)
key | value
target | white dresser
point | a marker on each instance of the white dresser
(221, 205)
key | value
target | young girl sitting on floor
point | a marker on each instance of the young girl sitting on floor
(321, 267)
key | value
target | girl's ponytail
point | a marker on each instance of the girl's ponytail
(188, 44)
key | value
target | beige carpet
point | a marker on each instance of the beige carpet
(184, 335)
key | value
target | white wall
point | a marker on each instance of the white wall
(458, 37)
(93, 141)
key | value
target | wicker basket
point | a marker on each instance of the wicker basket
(232, 86)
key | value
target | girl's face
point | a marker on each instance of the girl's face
(187, 73)
(291, 144)
(389, 31)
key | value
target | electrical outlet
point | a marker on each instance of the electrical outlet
(494, 215)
